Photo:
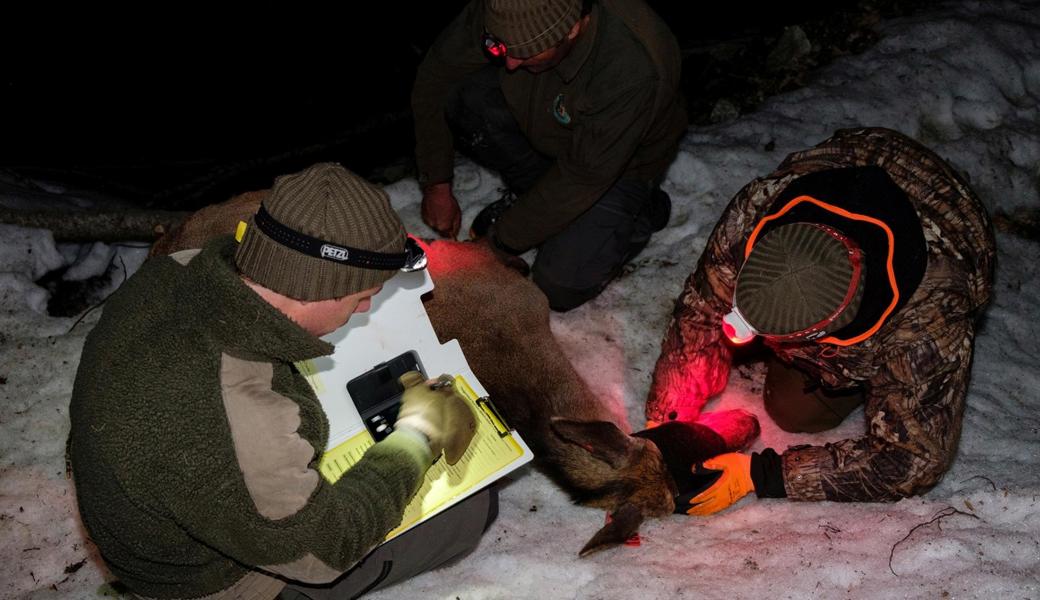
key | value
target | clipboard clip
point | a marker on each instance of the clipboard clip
(484, 404)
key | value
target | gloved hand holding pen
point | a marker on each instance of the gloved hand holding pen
(436, 410)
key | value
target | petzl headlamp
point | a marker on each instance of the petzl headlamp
(493, 47)
(412, 259)
(736, 328)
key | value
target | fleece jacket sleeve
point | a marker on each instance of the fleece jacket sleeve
(338, 525)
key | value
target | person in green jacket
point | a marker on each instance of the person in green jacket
(577, 106)
(195, 440)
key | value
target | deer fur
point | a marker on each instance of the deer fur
(501, 320)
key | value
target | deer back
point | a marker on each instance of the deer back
(501, 320)
(208, 223)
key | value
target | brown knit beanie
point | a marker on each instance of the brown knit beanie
(327, 202)
(528, 27)
(796, 276)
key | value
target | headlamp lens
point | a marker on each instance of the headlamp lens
(494, 47)
(736, 329)
(416, 258)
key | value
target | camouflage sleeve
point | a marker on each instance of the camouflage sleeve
(694, 362)
(914, 409)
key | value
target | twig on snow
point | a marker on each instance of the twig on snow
(828, 529)
(91, 309)
(84, 316)
(949, 511)
(987, 479)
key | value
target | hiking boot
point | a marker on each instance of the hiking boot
(660, 209)
(490, 213)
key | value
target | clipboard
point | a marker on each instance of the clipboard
(397, 324)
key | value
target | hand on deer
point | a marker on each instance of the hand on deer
(440, 210)
(734, 483)
(436, 410)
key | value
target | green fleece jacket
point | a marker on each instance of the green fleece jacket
(195, 442)
(611, 109)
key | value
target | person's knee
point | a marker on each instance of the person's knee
(469, 538)
(803, 419)
(793, 421)
(564, 297)
(798, 405)
(569, 275)
(492, 512)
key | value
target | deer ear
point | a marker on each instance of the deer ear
(624, 523)
(601, 439)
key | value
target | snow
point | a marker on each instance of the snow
(963, 77)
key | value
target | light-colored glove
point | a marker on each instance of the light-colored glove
(440, 210)
(436, 410)
(734, 483)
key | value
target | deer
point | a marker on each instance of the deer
(577, 440)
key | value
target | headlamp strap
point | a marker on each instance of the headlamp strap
(337, 253)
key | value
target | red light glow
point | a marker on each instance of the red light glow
(494, 47)
(731, 334)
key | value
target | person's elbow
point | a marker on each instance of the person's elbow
(930, 475)
(923, 473)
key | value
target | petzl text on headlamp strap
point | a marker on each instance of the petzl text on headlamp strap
(317, 248)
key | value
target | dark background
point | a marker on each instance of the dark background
(177, 106)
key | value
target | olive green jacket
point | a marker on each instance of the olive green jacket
(914, 370)
(610, 109)
(195, 442)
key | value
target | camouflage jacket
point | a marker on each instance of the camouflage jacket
(914, 370)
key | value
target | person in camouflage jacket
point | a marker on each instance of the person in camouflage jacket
(907, 353)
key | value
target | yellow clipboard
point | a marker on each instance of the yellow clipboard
(396, 323)
(493, 450)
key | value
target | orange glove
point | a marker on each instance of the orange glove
(734, 483)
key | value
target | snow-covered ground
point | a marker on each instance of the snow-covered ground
(962, 77)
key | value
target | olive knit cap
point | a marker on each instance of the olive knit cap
(327, 202)
(796, 276)
(528, 27)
